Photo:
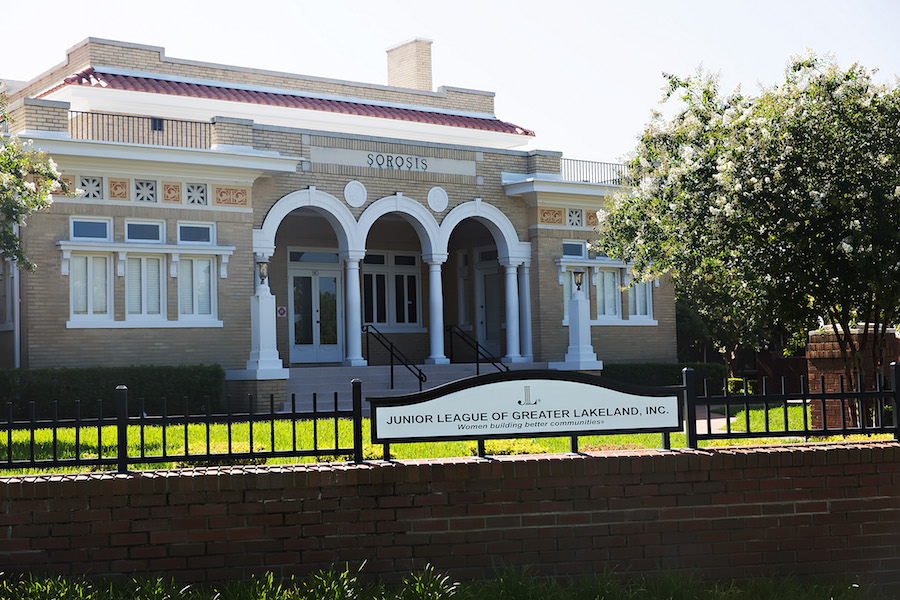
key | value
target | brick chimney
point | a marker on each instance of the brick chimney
(409, 65)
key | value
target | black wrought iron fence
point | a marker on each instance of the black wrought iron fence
(180, 435)
(131, 129)
(807, 413)
(177, 435)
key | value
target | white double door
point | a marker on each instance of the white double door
(316, 313)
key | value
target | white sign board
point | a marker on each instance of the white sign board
(525, 406)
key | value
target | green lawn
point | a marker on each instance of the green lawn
(280, 436)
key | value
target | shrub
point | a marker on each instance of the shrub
(658, 374)
(150, 384)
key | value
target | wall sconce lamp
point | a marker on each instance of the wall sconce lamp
(579, 279)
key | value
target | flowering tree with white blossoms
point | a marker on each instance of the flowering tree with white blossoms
(27, 178)
(774, 210)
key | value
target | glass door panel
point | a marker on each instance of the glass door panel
(316, 318)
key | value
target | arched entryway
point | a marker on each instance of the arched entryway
(316, 252)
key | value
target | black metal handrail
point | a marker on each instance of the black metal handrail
(372, 332)
(480, 352)
(131, 129)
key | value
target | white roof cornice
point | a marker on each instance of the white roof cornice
(231, 157)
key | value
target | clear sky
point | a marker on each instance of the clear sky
(584, 75)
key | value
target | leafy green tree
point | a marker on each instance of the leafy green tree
(27, 178)
(773, 211)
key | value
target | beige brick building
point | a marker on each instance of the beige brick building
(260, 220)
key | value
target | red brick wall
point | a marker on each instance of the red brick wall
(825, 369)
(819, 511)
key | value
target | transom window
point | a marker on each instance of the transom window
(91, 229)
(196, 233)
(144, 231)
(576, 249)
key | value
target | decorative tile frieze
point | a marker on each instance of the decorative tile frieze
(574, 217)
(590, 218)
(118, 189)
(69, 180)
(231, 196)
(172, 193)
(551, 216)
(92, 186)
(196, 194)
(145, 191)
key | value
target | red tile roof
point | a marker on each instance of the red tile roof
(93, 78)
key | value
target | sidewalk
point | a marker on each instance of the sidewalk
(717, 421)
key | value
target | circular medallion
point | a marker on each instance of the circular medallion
(355, 194)
(437, 199)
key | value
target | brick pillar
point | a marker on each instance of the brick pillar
(825, 370)
(228, 131)
(31, 114)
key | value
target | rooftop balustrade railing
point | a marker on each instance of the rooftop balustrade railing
(588, 171)
(130, 129)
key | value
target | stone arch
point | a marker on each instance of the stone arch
(421, 219)
(509, 248)
(332, 209)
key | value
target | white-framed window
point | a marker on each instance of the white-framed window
(7, 273)
(145, 287)
(196, 233)
(574, 249)
(90, 286)
(92, 186)
(196, 287)
(94, 263)
(608, 294)
(146, 190)
(640, 301)
(94, 229)
(196, 194)
(604, 280)
(152, 232)
(391, 296)
(602, 289)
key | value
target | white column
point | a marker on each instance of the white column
(264, 362)
(512, 315)
(353, 313)
(436, 312)
(525, 313)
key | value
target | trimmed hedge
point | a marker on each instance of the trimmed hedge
(657, 374)
(88, 385)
